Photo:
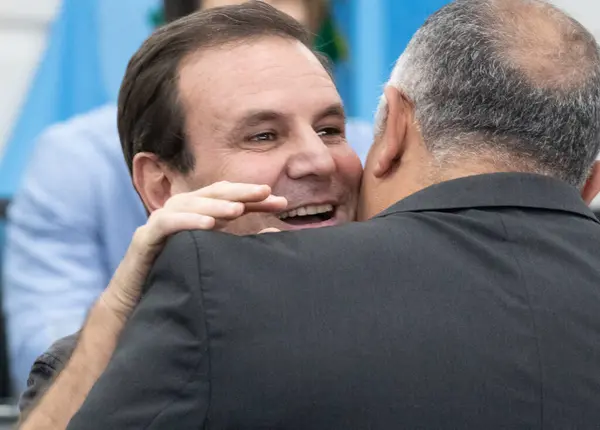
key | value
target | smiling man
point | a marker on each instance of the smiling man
(265, 112)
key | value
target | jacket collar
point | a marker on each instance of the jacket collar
(518, 190)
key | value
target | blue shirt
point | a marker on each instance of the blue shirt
(69, 227)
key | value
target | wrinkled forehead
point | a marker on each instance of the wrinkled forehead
(269, 73)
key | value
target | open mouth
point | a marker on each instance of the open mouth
(307, 215)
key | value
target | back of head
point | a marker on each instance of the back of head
(150, 116)
(514, 82)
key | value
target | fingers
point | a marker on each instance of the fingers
(206, 206)
(164, 223)
(226, 200)
(175, 222)
(271, 204)
(235, 192)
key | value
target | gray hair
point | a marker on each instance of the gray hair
(514, 80)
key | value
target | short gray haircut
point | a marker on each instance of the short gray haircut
(514, 80)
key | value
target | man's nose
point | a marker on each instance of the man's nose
(310, 157)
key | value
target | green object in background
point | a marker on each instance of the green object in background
(329, 40)
(157, 17)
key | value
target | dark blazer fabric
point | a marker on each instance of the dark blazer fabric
(473, 304)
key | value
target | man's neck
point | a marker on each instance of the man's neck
(433, 172)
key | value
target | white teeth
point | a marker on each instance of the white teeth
(325, 208)
(307, 210)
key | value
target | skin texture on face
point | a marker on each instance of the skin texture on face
(267, 112)
(295, 8)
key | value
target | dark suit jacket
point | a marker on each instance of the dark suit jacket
(44, 371)
(474, 304)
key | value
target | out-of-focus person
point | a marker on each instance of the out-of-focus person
(73, 217)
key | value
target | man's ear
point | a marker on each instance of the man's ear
(151, 180)
(592, 186)
(391, 144)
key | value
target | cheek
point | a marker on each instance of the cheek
(349, 166)
(246, 167)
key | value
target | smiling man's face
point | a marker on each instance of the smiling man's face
(267, 112)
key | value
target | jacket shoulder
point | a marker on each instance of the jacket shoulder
(45, 369)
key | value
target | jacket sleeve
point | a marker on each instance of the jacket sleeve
(44, 371)
(158, 376)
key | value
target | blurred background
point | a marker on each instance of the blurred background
(63, 58)
(59, 58)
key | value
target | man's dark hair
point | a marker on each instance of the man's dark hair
(150, 117)
(514, 81)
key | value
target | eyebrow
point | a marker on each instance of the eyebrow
(255, 118)
(336, 109)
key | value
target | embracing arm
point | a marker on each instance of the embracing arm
(208, 208)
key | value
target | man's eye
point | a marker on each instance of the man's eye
(329, 131)
(264, 137)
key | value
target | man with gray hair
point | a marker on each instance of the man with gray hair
(468, 297)
(502, 81)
